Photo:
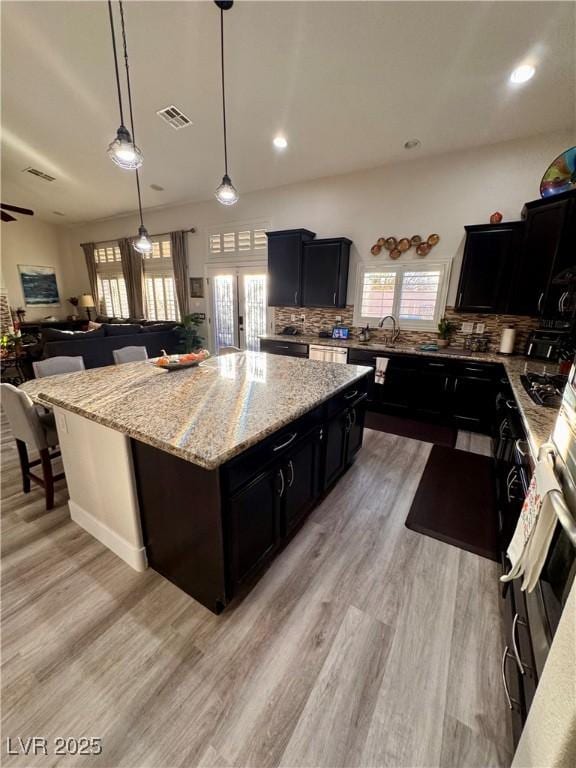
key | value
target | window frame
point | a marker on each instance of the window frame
(381, 265)
(109, 270)
(160, 267)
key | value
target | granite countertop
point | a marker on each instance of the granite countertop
(538, 421)
(205, 415)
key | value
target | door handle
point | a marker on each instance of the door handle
(295, 297)
(540, 301)
(283, 486)
(350, 395)
(517, 620)
(291, 467)
(334, 298)
(291, 439)
(352, 417)
(509, 700)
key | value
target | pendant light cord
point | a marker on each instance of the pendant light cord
(125, 46)
(223, 91)
(116, 61)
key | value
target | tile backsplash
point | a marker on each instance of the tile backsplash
(316, 320)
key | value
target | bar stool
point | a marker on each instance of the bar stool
(53, 366)
(129, 354)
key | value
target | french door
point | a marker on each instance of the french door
(238, 306)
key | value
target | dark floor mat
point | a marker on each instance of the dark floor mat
(455, 501)
(417, 430)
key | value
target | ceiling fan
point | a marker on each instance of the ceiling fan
(15, 209)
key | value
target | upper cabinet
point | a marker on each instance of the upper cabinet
(285, 266)
(490, 253)
(325, 272)
(548, 249)
(304, 272)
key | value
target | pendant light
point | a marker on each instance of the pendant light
(143, 244)
(226, 193)
(123, 150)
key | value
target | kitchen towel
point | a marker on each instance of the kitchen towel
(380, 373)
(529, 545)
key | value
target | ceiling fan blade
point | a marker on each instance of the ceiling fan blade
(6, 216)
(17, 209)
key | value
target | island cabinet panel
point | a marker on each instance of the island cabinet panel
(180, 509)
(301, 478)
(254, 524)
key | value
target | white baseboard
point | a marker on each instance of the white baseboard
(134, 556)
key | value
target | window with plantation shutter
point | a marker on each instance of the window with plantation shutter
(111, 283)
(160, 289)
(249, 241)
(414, 294)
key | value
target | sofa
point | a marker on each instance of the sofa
(96, 346)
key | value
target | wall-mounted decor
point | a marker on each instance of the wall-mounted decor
(561, 174)
(396, 247)
(39, 286)
(196, 288)
(496, 218)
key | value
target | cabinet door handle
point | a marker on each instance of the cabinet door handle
(353, 417)
(334, 298)
(504, 681)
(460, 299)
(515, 646)
(350, 395)
(295, 297)
(437, 365)
(550, 348)
(512, 405)
(348, 422)
(473, 370)
(291, 468)
(291, 439)
(519, 449)
(283, 486)
(540, 301)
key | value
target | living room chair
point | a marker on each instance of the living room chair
(36, 431)
(129, 355)
(53, 366)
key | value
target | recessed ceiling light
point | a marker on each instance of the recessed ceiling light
(412, 143)
(522, 74)
(280, 142)
(156, 187)
(58, 213)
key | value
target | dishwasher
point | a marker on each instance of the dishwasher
(328, 354)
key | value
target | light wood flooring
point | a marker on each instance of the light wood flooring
(364, 644)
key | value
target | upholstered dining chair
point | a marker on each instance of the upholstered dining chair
(35, 431)
(53, 366)
(129, 354)
(228, 350)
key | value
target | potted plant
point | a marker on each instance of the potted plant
(445, 328)
(190, 339)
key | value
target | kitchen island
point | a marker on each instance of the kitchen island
(204, 473)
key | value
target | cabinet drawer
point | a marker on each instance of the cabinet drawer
(292, 348)
(349, 396)
(240, 470)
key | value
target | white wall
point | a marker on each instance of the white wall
(438, 194)
(35, 242)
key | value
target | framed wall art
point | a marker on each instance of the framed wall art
(39, 286)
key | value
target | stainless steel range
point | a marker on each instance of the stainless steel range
(545, 389)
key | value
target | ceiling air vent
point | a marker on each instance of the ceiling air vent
(40, 174)
(174, 117)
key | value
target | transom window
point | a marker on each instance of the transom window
(415, 294)
(243, 240)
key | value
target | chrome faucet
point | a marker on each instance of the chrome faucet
(395, 330)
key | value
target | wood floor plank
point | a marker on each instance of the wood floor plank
(332, 728)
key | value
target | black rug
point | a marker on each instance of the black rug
(456, 503)
(417, 430)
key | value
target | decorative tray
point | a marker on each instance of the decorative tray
(179, 362)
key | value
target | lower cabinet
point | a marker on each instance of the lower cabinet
(472, 401)
(300, 480)
(254, 516)
(344, 434)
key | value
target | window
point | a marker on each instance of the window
(161, 302)
(415, 294)
(240, 239)
(111, 283)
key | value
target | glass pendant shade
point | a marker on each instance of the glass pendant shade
(124, 152)
(143, 244)
(226, 193)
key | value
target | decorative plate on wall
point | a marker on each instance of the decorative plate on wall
(561, 174)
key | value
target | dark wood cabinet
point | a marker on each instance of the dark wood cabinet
(547, 249)
(325, 272)
(302, 481)
(254, 523)
(356, 416)
(335, 434)
(290, 348)
(472, 399)
(490, 253)
(285, 266)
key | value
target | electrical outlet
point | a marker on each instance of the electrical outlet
(292, 317)
(467, 328)
(480, 327)
(338, 318)
(302, 317)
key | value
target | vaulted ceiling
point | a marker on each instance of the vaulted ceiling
(347, 83)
